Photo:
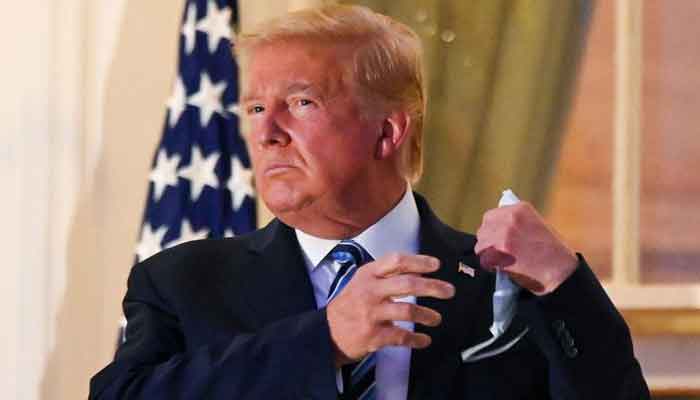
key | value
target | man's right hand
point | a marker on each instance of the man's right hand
(361, 316)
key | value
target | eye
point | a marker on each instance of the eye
(302, 107)
(304, 102)
(255, 109)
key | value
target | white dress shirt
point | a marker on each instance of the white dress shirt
(397, 231)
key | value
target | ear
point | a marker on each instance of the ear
(395, 130)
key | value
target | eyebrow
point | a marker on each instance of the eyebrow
(307, 88)
(300, 87)
(293, 88)
(247, 97)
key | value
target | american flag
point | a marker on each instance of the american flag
(201, 181)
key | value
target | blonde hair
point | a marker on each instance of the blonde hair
(387, 62)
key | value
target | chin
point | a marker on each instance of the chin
(283, 199)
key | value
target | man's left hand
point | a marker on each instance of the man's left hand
(518, 241)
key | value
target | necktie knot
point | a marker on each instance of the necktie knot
(350, 256)
(349, 252)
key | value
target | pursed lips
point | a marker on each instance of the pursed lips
(277, 167)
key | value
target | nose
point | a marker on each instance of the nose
(271, 131)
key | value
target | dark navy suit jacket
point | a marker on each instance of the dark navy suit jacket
(236, 319)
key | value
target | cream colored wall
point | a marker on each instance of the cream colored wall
(84, 90)
(24, 161)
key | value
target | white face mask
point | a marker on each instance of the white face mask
(505, 305)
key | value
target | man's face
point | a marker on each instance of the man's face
(310, 143)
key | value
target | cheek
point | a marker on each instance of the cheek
(255, 157)
(331, 148)
(342, 159)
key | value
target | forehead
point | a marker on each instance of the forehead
(293, 65)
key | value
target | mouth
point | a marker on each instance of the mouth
(277, 168)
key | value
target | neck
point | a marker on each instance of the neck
(346, 215)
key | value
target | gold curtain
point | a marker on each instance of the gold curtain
(500, 74)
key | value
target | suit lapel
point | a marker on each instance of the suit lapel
(278, 286)
(433, 369)
(278, 282)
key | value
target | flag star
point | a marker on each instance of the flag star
(150, 242)
(208, 98)
(177, 101)
(189, 28)
(240, 183)
(229, 233)
(200, 172)
(216, 25)
(187, 234)
(164, 173)
(234, 108)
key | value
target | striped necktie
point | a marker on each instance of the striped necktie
(358, 378)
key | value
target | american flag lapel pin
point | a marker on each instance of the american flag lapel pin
(465, 269)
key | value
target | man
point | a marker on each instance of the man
(357, 290)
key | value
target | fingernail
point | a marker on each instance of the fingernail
(435, 263)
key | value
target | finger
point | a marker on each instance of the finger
(395, 336)
(481, 243)
(526, 282)
(491, 258)
(500, 237)
(404, 263)
(498, 227)
(400, 311)
(488, 236)
(504, 214)
(414, 285)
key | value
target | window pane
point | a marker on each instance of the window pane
(580, 206)
(670, 219)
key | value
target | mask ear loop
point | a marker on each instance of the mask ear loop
(495, 352)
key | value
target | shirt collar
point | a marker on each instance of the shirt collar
(396, 231)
